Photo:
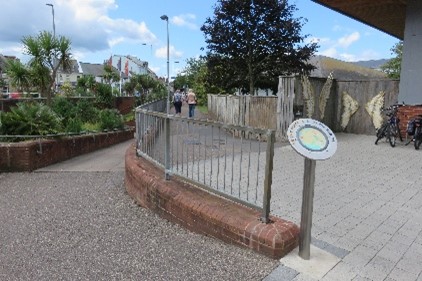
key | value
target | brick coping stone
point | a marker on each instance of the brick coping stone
(205, 213)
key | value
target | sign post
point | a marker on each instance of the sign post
(315, 141)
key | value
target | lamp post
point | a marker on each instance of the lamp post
(54, 25)
(167, 122)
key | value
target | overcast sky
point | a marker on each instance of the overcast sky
(100, 28)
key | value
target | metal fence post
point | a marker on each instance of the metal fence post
(167, 147)
(268, 176)
(307, 209)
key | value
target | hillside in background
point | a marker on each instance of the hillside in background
(374, 64)
(343, 70)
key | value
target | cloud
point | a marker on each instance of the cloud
(162, 52)
(185, 20)
(346, 41)
(86, 22)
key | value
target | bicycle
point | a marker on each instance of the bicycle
(414, 129)
(390, 129)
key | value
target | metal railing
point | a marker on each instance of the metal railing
(232, 161)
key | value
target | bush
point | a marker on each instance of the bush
(104, 96)
(74, 125)
(30, 119)
(86, 110)
(111, 119)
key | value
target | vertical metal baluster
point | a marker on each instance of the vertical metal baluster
(257, 170)
(212, 144)
(231, 184)
(199, 152)
(218, 155)
(225, 159)
(182, 128)
(241, 160)
(188, 150)
(205, 153)
(249, 165)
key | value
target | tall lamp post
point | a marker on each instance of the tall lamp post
(167, 122)
(54, 25)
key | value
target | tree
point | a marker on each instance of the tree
(254, 40)
(195, 76)
(110, 75)
(393, 66)
(19, 75)
(48, 53)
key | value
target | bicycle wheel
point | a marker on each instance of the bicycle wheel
(391, 135)
(418, 138)
(381, 133)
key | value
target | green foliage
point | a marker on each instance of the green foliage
(250, 41)
(67, 90)
(74, 125)
(30, 119)
(110, 119)
(48, 54)
(104, 96)
(393, 66)
(86, 110)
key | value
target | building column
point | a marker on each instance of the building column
(411, 69)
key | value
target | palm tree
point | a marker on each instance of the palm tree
(19, 75)
(49, 52)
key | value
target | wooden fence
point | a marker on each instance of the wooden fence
(277, 112)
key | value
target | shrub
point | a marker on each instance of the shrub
(74, 125)
(30, 119)
(86, 110)
(104, 96)
(111, 119)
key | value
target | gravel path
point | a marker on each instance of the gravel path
(84, 226)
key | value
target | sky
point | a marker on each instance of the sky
(101, 28)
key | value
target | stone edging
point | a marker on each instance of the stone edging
(206, 213)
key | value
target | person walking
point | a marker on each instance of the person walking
(191, 100)
(177, 102)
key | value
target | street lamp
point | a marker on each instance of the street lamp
(166, 18)
(54, 25)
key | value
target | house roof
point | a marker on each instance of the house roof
(342, 70)
(94, 69)
(388, 16)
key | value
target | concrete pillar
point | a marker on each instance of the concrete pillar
(411, 69)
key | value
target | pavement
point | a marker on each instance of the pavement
(74, 221)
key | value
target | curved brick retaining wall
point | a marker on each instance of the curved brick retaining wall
(27, 156)
(205, 213)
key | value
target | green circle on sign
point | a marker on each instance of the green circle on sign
(312, 138)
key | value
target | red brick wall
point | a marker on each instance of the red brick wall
(32, 155)
(406, 113)
(205, 213)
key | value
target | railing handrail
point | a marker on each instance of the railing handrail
(153, 134)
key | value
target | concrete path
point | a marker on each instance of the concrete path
(367, 212)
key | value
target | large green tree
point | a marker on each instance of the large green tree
(49, 53)
(393, 66)
(253, 41)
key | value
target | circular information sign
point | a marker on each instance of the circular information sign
(312, 139)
